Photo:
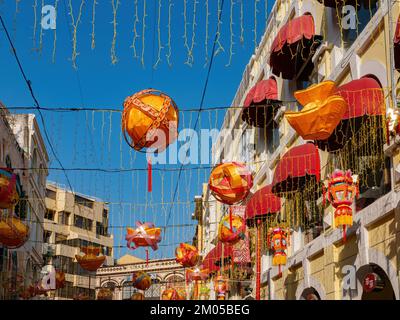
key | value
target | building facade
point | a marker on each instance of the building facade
(320, 264)
(165, 273)
(22, 148)
(73, 221)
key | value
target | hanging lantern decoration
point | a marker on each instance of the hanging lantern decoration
(341, 191)
(150, 119)
(13, 232)
(221, 287)
(137, 296)
(60, 280)
(91, 261)
(145, 235)
(231, 229)
(141, 280)
(322, 112)
(197, 274)
(277, 241)
(172, 294)
(8, 189)
(105, 294)
(204, 293)
(230, 182)
(187, 255)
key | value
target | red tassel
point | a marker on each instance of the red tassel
(147, 257)
(149, 176)
(230, 218)
(344, 233)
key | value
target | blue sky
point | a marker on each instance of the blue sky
(92, 140)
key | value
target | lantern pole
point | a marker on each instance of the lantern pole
(258, 260)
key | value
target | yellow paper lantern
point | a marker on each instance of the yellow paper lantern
(322, 112)
(13, 232)
(91, 261)
(146, 115)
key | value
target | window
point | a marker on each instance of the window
(60, 238)
(84, 202)
(46, 236)
(63, 218)
(50, 214)
(128, 290)
(51, 194)
(83, 223)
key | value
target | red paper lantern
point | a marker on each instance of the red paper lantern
(145, 235)
(231, 229)
(342, 189)
(172, 294)
(230, 182)
(187, 255)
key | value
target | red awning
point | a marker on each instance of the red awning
(215, 255)
(363, 97)
(263, 90)
(298, 162)
(294, 31)
(262, 202)
(293, 48)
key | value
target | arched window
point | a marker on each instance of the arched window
(128, 290)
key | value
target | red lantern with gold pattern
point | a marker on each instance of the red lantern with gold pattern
(342, 189)
(230, 182)
(187, 255)
(278, 242)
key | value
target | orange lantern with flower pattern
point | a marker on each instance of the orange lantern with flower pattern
(8, 189)
(172, 294)
(13, 232)
(146, 114)
(342, 189)
(141, 280)
(231, 229)
(278, 241)
(91, 261)
(187, 255)
(230, 182)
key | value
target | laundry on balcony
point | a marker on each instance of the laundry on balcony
(293, 49)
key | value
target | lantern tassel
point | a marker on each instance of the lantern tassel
(147, 257)
(149, 176)
(230, 218)
(344, 233)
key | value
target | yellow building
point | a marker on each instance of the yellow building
(308, 42)
(73, 221)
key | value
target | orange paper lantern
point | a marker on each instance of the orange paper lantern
(105, 294)
(91, 261)
(231, 229)
(145, 235)
(172, 294)
(141, 280)
(197, 274)
(230, 182)
(322, 112)
(146, 115)
(137, 296)
(8, 189)
(187, 255)
(13, 232)
(277, 241)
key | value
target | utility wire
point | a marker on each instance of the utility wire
(201, 106)
(36, 102)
